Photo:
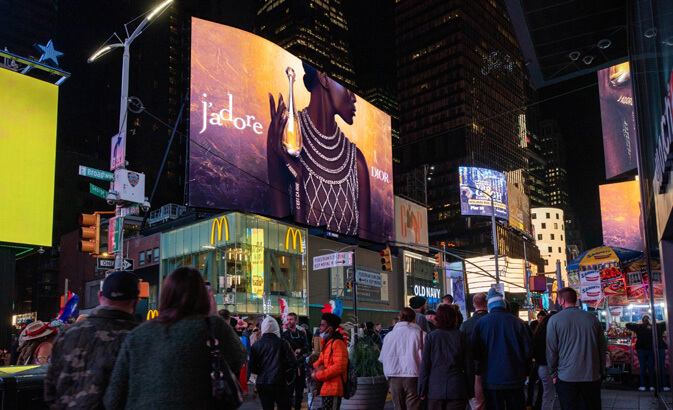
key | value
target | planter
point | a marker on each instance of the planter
(371, 394)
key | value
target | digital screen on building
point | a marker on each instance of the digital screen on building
(618, 119)
(323, 156)
(28, 145)
(519, 209)
(620, 215)
(411, 223)
(477, 187)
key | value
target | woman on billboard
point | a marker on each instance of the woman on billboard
(310, 159)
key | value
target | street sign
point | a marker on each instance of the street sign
(95, 173)
(527, 307)
(332, 260)
(113, 236)
(369, 278)
(130, 210)
(98, 191)
(128, 264)
(105, 263)
(117, 148)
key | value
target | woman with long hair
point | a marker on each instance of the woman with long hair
(446, 377)
(645, 351)
(540, 356)
(166, 362)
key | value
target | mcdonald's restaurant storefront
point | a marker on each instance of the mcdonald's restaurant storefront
(250, 261)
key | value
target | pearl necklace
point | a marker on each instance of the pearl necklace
(320, 154)
(304, 118)
(336, 131)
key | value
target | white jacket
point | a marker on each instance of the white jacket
(401, 354)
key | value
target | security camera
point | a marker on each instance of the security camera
(41, 250)
(145, 206)
(111, 198)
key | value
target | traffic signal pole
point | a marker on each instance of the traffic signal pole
(355, 292)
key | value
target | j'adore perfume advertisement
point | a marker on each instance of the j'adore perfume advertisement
(272, 135)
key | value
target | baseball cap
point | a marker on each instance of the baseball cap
(121, 285)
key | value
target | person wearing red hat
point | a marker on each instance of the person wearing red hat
(35, 343)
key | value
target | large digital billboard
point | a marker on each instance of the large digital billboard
(620, 215)
(411, 223)
(519, 209)
(28, 145)
(477, 186)
(618, 119)
(271, 135)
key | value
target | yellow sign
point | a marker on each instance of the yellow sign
(219, 223)
(28, 146)
(294, 232)
(257, 262)
(152, 313)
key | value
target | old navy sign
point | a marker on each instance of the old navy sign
(427, 291)
(663, 156)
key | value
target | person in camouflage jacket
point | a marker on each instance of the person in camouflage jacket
(84, 355)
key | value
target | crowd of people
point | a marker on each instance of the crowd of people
(432, 359)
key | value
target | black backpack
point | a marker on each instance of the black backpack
(351, 382)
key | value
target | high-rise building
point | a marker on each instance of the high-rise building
(315, 31)
(461, 98)
(554, 153)
(550, 237)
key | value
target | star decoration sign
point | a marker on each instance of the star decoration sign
(49, 54)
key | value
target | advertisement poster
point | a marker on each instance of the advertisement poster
(257, 262)
(620, 215)
(590, 285)
(271, 135)
(458, 285)
(411, 222)
(613, 281)
(618, 119)
(519, 209)
(477, 187)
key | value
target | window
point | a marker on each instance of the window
(552, 237)
(546, 262)
(555, 225)
(156, 254)
(539, 237)
(556, 216)
(141, 259)
(534, 216)
(547, 215)
(559, 249)
(549, 249)
(544, 225)
(561, 237)
(148, 256)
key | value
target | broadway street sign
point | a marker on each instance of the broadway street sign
(95, 173)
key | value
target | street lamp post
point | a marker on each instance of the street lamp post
(123, 106)
(495, 232)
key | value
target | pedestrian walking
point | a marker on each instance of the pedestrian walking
(547, 395)
(480, 310)
(370, 336)
(244, 375)
(273, 360)
(165, 363)
(502, 349)
(35, 343)
(446, 377)
(430, 316)
(401, 358)
(418, 303)
(330, 371)
(645, 351)
(91, 346)
(296, 337)
(576, 349)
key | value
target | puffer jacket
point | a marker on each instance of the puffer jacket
(401, 352)
(334, 359)
(270, 358)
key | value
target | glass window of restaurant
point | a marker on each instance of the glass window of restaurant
(251, 262)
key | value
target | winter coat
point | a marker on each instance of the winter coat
(169, 368)
(89, 346)
(502, 347)
(270, 358)
(334, 359)
(401, 352)
(447, 368)
(644, 335)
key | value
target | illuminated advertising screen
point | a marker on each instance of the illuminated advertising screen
(411, 222)
(28, 145)
(519, 209)
(477, 186)
(618, 119)
(271, 135)
(620, 215)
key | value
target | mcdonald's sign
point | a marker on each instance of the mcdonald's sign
(152, 313)
(220, 223)
(294, 232)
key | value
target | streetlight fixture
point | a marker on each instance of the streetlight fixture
(495, 232)
(121, 138)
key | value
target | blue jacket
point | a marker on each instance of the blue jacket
(502, 349)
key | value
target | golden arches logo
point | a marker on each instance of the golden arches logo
(294, 232)
(152, 313)
(219, 223)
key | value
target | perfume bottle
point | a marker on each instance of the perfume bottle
(619, 74)
(292, 139)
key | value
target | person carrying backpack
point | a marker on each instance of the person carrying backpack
(331, 369)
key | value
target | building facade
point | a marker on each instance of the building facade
(550, 231)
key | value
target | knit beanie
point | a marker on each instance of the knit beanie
(495, 299)
(270, 325)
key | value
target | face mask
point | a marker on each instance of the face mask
(324, 335)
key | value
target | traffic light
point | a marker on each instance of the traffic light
(435, 277)
(386, 263)
(89, 233)
(438, 259)
(349, 286)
